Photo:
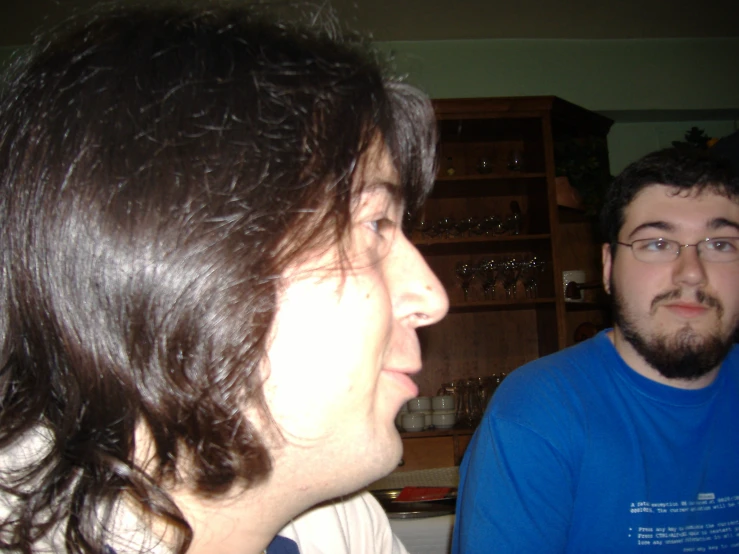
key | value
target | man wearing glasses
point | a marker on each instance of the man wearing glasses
(628, 442)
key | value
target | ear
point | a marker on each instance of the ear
(607, 259)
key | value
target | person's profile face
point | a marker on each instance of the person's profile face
(344, 344)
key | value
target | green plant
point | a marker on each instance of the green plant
(695, 139)
(584, 161)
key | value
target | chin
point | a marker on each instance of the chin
(396, 452)
(386, 456)
(374, 469)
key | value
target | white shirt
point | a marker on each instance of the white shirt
(351, 525)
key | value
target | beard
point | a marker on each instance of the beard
(685, 355)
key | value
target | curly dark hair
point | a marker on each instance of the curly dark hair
(677, 167)
(159, 169)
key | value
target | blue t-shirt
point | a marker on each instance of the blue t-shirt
(282, 545)
(579, 453)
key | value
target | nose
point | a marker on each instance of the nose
(688, 268)
(417, 295)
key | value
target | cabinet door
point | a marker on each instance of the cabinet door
(427, 453)
(486, 231)
(460, 446)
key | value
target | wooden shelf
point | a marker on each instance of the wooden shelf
(476, 186)
(500, 305)
(507, 176)
(437, 433)
(434, 448)
(484, 244)
(587, 305)
(457, 241)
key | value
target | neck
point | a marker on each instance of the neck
(636, 362)
(244, 522)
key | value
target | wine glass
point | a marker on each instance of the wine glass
(492, 225)
(475, 226)
(468, 406)
(515, 160)
(510, 273)
(465, 271)
(488, 269)
(445, 226)
(529, 276)
(484, 165)
(513, 223)
(423, 228)
(462, 226)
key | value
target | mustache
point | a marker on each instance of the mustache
(701, 296)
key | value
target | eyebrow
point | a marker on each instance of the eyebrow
(713, 225)
(393, 188)
(659, 225)
(721, 223)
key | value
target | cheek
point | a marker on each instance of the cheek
(326, 346)
(639, 285)
(727, 290)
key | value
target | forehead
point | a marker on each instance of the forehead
(378, 175)
(666, 207)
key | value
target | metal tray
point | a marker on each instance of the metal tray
(413, 510)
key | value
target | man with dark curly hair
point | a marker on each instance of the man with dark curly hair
(208, 308)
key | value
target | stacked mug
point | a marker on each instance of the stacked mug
(443, 412)
(425, 412)
(418, 417)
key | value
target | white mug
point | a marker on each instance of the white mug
(445, 402)
(444, 420)
(413, 421)
(576, 275)
(419, 404)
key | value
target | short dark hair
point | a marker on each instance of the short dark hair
(680, 168)
(159, 169)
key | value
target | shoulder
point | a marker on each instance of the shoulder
(560, 374)
(732, 359)
(355, 523)
(556, 391)
(731, 365)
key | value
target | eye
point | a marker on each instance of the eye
(655, 245)
(725, 246)
(382, 226)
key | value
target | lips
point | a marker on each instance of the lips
(687, 310)
(687, 305)
(403, 378)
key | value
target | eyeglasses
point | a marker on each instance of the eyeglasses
(656, 251)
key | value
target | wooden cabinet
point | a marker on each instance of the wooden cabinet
(496, 158)
(580, 249)
(433, 449)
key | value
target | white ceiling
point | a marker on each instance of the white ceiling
(389, 20)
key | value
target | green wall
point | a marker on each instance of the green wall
(5, 54)
(629, 141)
(696, 81)
(665, 74)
